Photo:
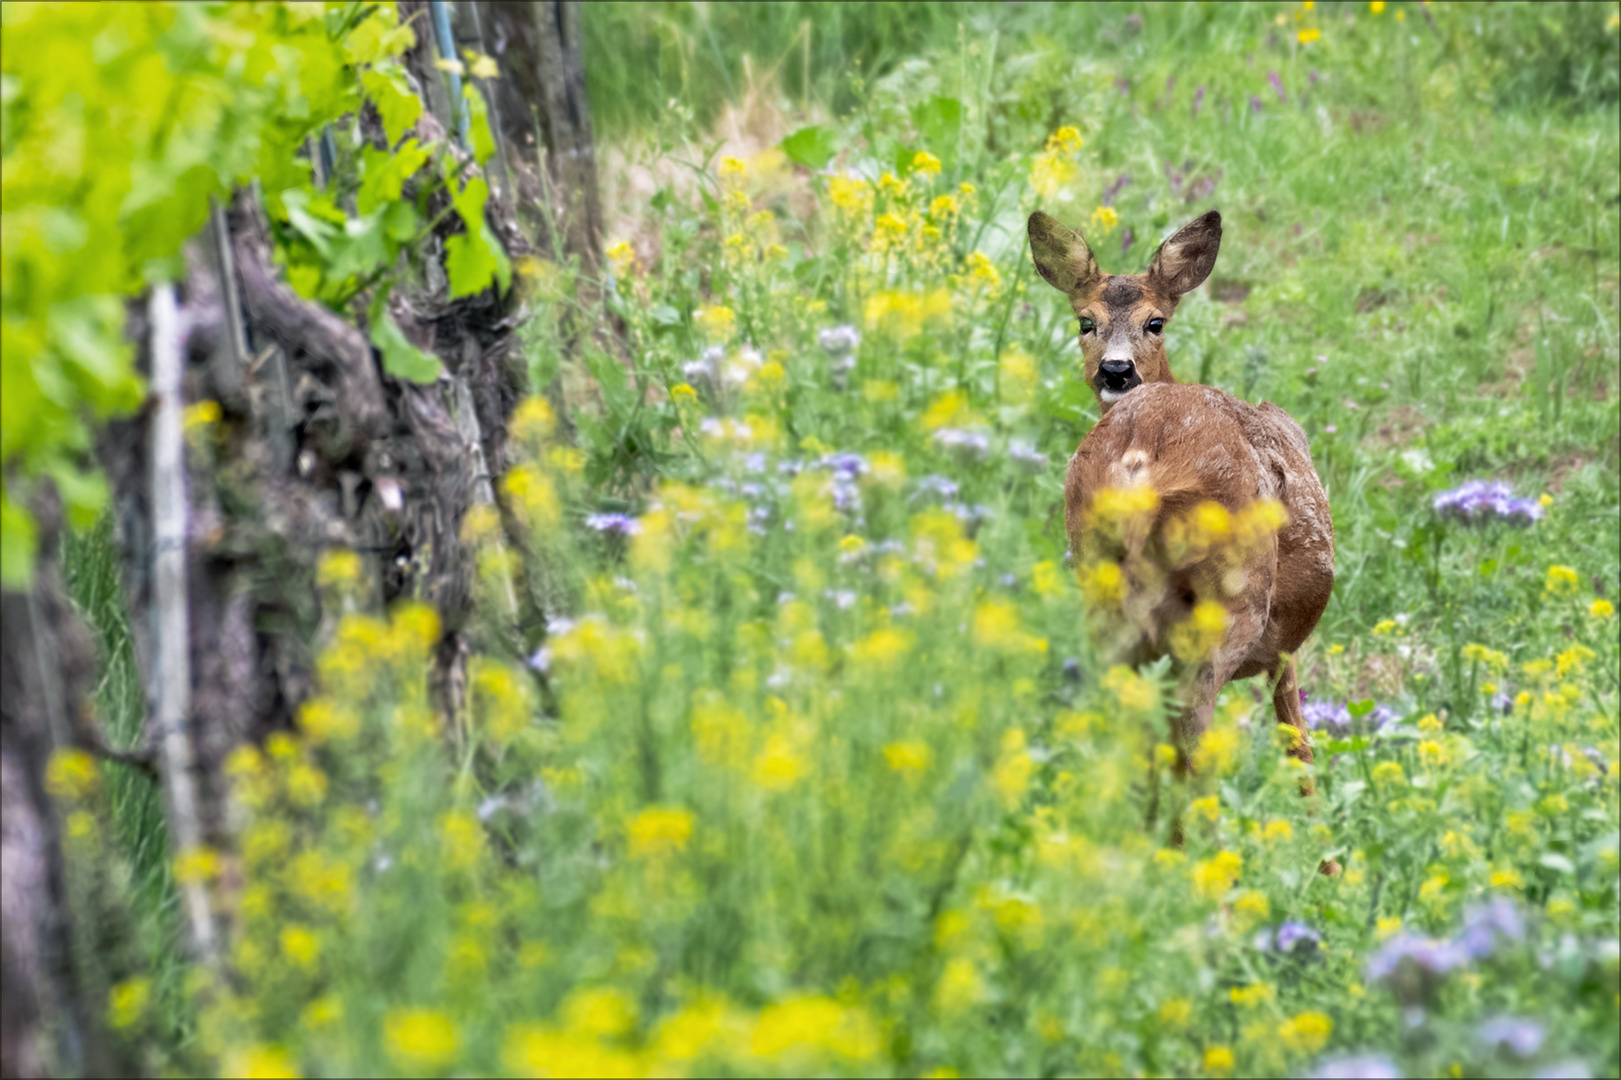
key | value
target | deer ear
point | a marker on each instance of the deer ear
(1061, 254)
(1183, 262)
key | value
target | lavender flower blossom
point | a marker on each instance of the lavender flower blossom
(1521, 1037)
(967, 445)
(1294, 937)
(1484, 924)
(1413, 967)
(1481, 500)
(621, 525)
(839, 340)
(1026, 456)
(1336, 717)
(1369, 1067)
(938, 486)
(1277, 85)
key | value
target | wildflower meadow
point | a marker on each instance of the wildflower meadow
(821, 756)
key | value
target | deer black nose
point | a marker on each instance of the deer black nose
(1117, 374)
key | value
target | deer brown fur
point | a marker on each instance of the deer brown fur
(1191, 444)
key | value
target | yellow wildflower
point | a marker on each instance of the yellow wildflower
(301, 945)
(200, 414)
(71, 774)
(1278, 829)
(1601, 609)
(1213, 877)
(262, 1062)
(1306, 1033)
(1389, 772)
(1176, 1012)
(1251, 996)
(1208, 807)
(1377, 7)
(1105, 220)
(1251, 907)
(717, 322)
(659, 830)
(912, 757)
(126, 1002)
(420, 1039)
(196, 865)
(1562, 580)
(1066, 139)
(1218, 1059)
(1507, 879)
(600, 1011)
(960, 987)
(1135, 693)
(850, 194)
(1308, 35)
(925, 163)
(1387, 927)
(779, 764)
(1014, 769)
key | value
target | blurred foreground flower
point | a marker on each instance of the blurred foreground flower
(1368, 1067)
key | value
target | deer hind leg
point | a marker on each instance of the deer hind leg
(1286, 701)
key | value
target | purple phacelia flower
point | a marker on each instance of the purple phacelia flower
(1482, 500)
(1484, 924)
(1521, 1037)
(1277, 85)
(938, 486)
(1368, 1067)
(1026, 456)
(1413, 967)
(1255, 103)
(968, 445)
(1297, 937)
(614, 524)
(839, 340)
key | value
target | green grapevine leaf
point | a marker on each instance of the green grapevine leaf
(401, 359)
(395, 103)
(469, 264)
(479, 128)
(385, 175)
(379, 37)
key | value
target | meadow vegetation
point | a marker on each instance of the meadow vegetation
(818, 766)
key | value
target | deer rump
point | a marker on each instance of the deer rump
(1192, 444)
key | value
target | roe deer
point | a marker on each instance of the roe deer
(1218, 468)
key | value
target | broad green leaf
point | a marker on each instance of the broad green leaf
(18, 541)
(398, 107)
(379, 37)
(469, 264)
(470, 203)
(401, 359)
(811, 147)
(313, 217)
(385, 175)
(479, 125)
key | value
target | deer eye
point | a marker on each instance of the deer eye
(1156, 326)
(1087, 325)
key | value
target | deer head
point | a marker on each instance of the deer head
(1123, 316)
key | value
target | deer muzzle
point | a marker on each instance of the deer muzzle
(1117, 376)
